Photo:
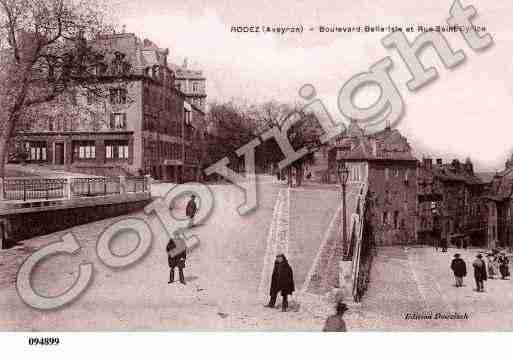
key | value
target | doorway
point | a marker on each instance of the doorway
(59, 153)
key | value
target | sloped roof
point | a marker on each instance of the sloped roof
(447, 172)
(385, 145)
(501, 185)
(182, 72)
(140, 54)
(485, 177)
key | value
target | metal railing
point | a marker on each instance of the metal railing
(361, 246)
(136, 184)
(99, 186)
(30, 189)
(44, 189)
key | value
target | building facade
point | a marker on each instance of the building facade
(451, 205)
(141, 125)
(499, 200)
(392, 180)
(192, 83)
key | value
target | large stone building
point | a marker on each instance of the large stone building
(391, 171)
(192, 83)
(499, 202)
(450, 202)
(143, 125)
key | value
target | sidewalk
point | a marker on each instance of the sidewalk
(33, 170)
(419, 280)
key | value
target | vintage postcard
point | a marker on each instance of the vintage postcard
(230, 166)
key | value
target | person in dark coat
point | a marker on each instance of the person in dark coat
(282, 281)
(466, 242)
(479, 272)
(459, 269)
(503, 266)
(191, 209)
(444, 244)
(175, 261)
(335, 322)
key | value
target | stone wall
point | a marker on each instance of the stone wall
(394, 189)
(23, 225)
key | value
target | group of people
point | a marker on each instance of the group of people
(282, 278)
(496, 263)
(443, 243)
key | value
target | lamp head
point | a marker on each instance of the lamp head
(343, 172)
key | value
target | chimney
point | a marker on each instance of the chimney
(123, 31)
(185, 63)
(456, 164)
(439, 161)
(469, 167)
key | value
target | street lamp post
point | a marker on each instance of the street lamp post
(436, 218)
(343, 175)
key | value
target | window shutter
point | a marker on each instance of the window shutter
(112, 93)
(122, 95)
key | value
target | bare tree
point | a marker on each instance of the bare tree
(46, 57)
(304, 133)
(233, 129)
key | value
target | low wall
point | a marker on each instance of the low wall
(24, 223)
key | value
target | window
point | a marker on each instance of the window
(116, 149)
(117, 96)
(396, 172)
(396, 218)
(84, 150)
(195, 86)
(355, 173)
(117, 67)
(118, 121)
(386, 174)
(90, 97)
(388, 196)
(187, 117)
(100, 70)
(37, 151)
(385, 218)
(178, 86)
(175, 152)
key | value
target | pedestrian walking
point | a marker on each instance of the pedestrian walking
(503, 265)
(491, 266)
(282, 281)
(175, 260)
(192, 208)
(459, 269)
(466, 242)
(444, 244)
(479, 272)
(335, 322)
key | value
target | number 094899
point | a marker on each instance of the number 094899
(44, 341)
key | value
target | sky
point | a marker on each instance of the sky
(466, 112)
